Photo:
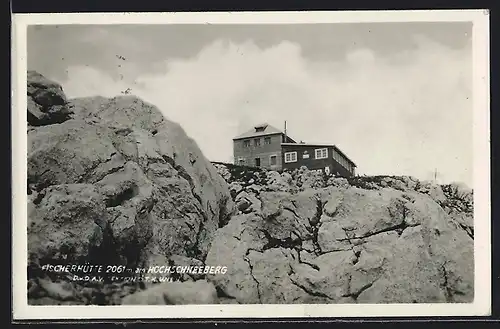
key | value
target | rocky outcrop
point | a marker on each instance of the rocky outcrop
(358, 240)
(111, 182)
(116, 183)
(47, 103)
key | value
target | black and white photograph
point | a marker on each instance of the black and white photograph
(251, 164)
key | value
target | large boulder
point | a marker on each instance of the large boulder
(117, 183)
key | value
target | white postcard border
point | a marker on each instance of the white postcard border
(481, 122)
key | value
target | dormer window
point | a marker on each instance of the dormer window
(260, 128)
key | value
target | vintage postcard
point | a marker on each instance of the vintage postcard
(251, 164)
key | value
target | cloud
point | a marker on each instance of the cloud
(410, 113)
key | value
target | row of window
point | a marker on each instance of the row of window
(256, 142)
(343, 162)
(291, 157)
(320, 154)
(273, 161)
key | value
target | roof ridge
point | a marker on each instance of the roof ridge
(255, 132)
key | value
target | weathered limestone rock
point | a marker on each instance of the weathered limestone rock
(389, 240)
(68, 222)
(117, 183)
(46, 101)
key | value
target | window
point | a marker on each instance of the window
(267, 140)
(257, 142)
(345, 163)
(272, 160)
(246, 143)
(305, 155)
(290, 157)
(321, 153)
(257, 162)
(342, 160)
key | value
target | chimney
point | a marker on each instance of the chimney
(285, 133)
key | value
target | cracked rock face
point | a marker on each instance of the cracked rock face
(115, 184)
(397, 241)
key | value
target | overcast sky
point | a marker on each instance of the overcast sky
(395, 97)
